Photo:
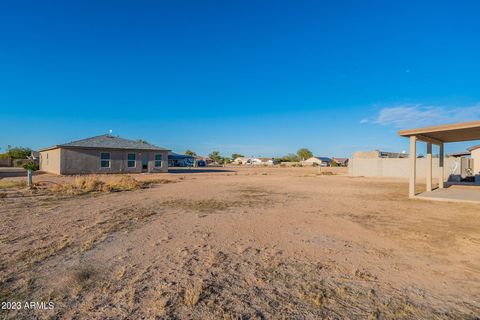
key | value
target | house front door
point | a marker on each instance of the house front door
(144, 162)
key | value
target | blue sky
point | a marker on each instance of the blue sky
(255, 77)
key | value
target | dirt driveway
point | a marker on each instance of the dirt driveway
(253, 243)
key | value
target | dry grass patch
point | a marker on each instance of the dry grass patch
(326, 173)
(36, 255)
(312, 294)
(8, 184)
(15, 290)
(94, 183)
(123, 219)
(206, 205)
(193, 293)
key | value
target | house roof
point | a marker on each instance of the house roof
(341, 160)
(474, 147)
(464, 131)
(107, 141)
(177, 156)
(326, 159)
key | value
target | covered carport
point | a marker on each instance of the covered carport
(440, 135)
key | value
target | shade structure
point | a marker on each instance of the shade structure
(464, 131)
(439, 135)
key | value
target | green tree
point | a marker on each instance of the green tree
(304, 154)
(190, 153)
(226, 160)
(19, 152)
(289, 158)
(215, 156)
(236, 155)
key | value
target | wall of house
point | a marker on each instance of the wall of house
(399, 168)
(311, 161)
(476, 161)
(50, 160)
(87, 161)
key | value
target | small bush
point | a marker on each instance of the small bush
(30, 165)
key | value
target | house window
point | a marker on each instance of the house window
(105, 159)
(131, 157)
(158, 161)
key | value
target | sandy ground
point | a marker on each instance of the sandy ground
(243, 243)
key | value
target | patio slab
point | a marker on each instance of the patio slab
(453, 194)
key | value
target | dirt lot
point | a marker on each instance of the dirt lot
(264, 243)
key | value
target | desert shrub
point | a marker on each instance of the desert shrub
(80, 185)
(124, 183)
(92, 183)
(88, 183)
(30, 165)
(327, 173)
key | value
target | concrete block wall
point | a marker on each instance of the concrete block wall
(396, 168)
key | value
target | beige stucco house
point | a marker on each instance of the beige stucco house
(319, 161)
(475, 154)
(104, 154)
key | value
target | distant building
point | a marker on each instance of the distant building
(203, 161)
(320, 161)
(180, 160)
(253, 161)
(267, 161)
(342, 162)
(103, 154)
(241, 160)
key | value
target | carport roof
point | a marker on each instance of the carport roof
(464, 131)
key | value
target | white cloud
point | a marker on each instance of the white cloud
(410, 116)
